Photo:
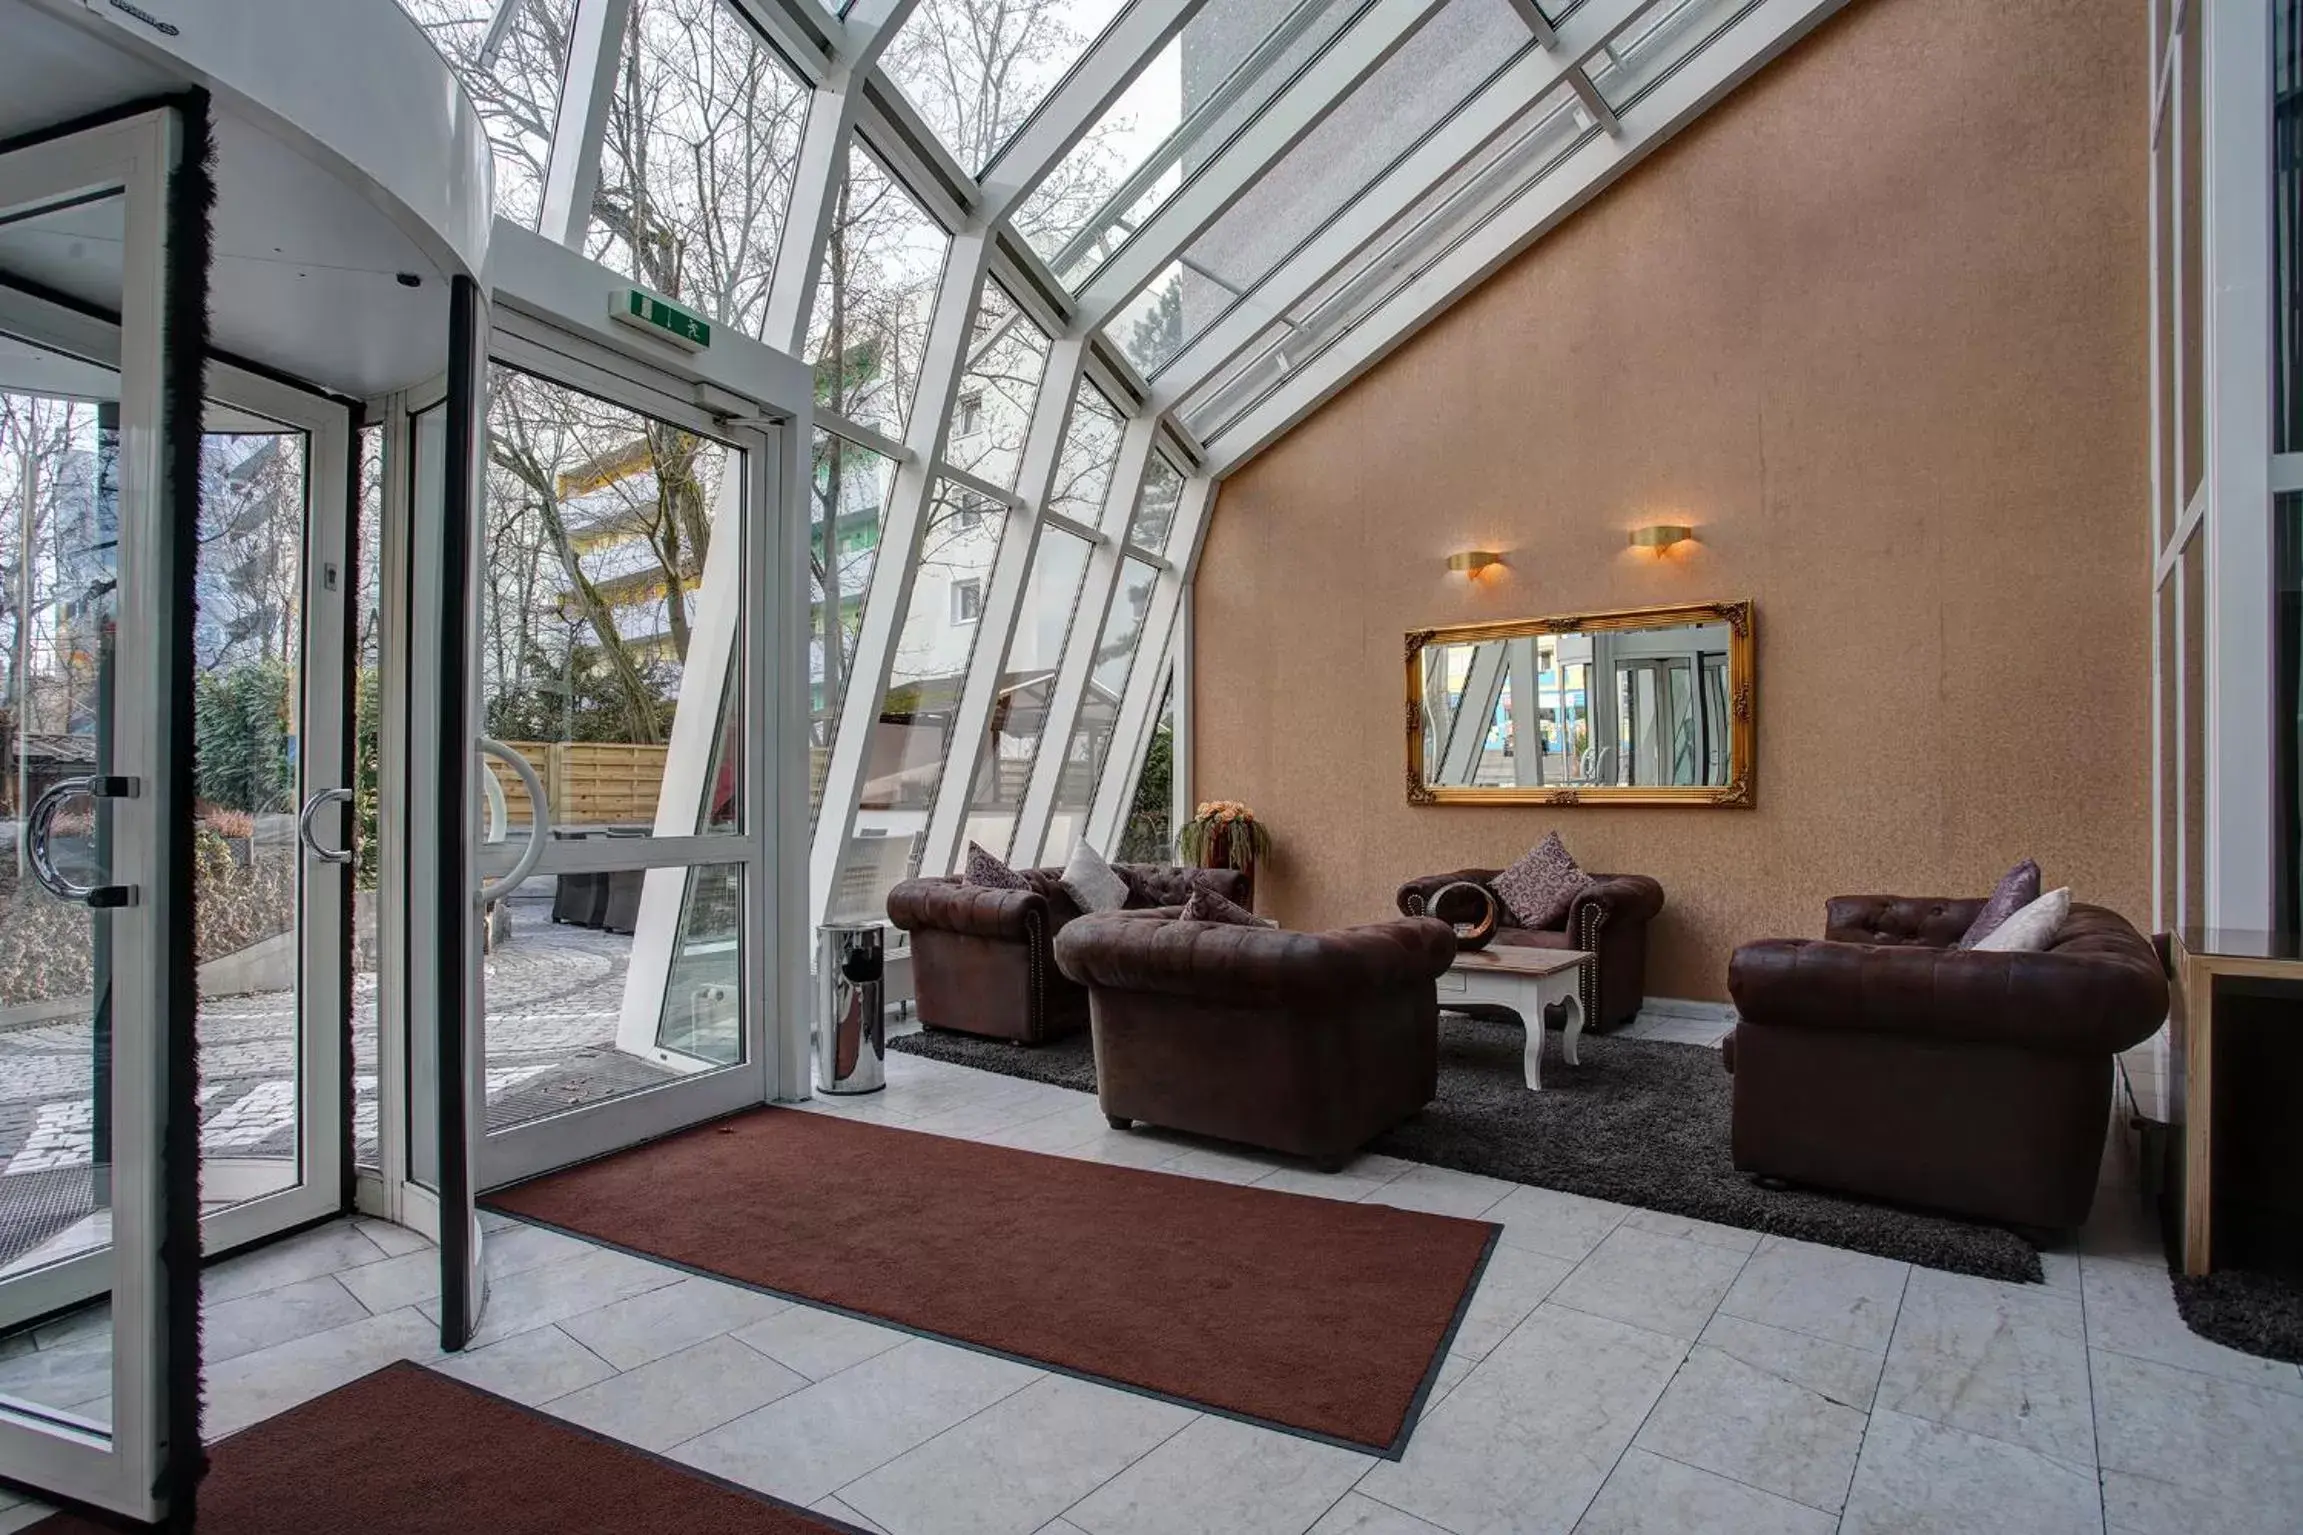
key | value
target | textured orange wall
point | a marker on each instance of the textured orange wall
(1876, 325)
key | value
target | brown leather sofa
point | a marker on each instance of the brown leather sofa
(1882, 1061)
(1305, 1043)
(983, 961)
(1609, 920)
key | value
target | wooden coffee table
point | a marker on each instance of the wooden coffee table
(1527, 981)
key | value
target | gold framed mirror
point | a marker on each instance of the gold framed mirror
(1644, 706)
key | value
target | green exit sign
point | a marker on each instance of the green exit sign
(659, 316)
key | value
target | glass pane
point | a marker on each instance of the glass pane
(597, 986)
(598, 524)
(367, 760)
(516, 88)
(247, 644)
(1091, 452)
(1391, 112)
(1149, 327)
(1027, 682)
(904, 760)
(1212, 81)
(1650, 49)
(873, 300)
(1156, 507)
(1149, 834)
(845, 512)
(1099, 709)
(977, 71)
(993, 409)
(696, 163)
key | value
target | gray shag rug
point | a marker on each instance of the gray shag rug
(2252, 1310)
(1642, 1122)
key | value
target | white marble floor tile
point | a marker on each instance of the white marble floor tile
(819, 1343)
(275, 1316)
(1221, 1474)
(1127, 1148)
(1557, 1225)
(1922, 1478)
(2195, 1453)
(1514, 1283)
(2007, 1361)
(679, 1396)
(630, 1332)
(22, 1517)
(530, 1367)
(1651, 1495)
(392, 1239)
(1442, 1191)
(1665, 1284)
(255, 1386)
(79, 1369)
(1356, 1514)
(1834, 1371)
(407, 1280)
(1223, 1165)
(2131, 1310)
(1733, 1238)
(328, 1249)
(1825, 1292)
(816, 1441)
(1744, 1423)
(2120, 1225)
(556, 1291)
(1017, 1464)
(838, 1510)
(1345, 1185)
(1524, 1443)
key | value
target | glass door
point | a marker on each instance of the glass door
(96, 1014)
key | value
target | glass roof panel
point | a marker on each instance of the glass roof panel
(696, 165)
(1407, 247)
(1156, 507)
(1394, 110)
(993, 408)
(978, 69)
(1149, 327)
(1091, 452)
(513, 75)
(1214, 80)
(1658, 43)
(870, 326)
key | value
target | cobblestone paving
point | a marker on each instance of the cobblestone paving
(553, 994)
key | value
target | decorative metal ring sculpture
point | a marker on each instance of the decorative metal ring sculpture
(1472, 934)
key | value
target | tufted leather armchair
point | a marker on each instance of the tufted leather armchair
(983, 961)
(1882, 1061)
(1305, 1043)
(1609, 920)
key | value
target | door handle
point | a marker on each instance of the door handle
(40, 824)
(539, 820)
(304, 826)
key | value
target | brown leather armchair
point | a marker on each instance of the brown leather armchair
(1608, 920)
(983, 961)
(1882, 1061)
(1305, 1043)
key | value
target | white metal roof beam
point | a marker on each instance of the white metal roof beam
(1475, 125)
(1298, 109)
(1763, 32)
(1079, 101)
(1538, 24)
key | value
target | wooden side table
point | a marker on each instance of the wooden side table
(1528, 981)
(2199, 959)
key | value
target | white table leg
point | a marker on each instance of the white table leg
(1533, 1067)
(1574, 1030)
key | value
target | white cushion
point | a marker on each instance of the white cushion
(2031, 929)
(1093, 884)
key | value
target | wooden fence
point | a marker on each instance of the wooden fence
(586, 783)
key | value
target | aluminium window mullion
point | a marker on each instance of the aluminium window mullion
(1003, 601)
(1097, 588)
(887, 600)
(572, 170)
(1211, 189)
(1139, 702)
(1762, 32)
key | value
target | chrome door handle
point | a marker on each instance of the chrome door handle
(304, 826)
(39, 824)
(539, 820)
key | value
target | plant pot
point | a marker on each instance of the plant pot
(1219, 856)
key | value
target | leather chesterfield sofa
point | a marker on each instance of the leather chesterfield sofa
(983, 961)
(1882, 1061)
(1304, 1043)
(1607, 919)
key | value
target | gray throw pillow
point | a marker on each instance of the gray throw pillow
(1092, 883)
(1542, 885)
(2031, 929)
(1204, 905)
(988, 873)
(2017, 888)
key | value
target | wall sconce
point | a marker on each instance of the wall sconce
(1661, 536)
(1473, 562)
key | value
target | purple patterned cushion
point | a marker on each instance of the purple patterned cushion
(988, 873)
(1204, 905)
(1542, 885)
(2017, 888)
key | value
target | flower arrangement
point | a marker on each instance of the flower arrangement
(1223, 834)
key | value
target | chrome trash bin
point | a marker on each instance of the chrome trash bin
(851, 1024)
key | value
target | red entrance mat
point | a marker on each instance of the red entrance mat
(407, 1452)
(1312, 1315)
